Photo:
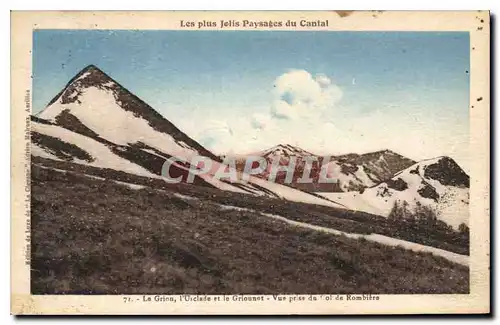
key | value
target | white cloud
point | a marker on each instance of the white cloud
(298, 94)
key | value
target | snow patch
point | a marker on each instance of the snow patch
(292, 194)
(131, 185)
(232, 207)
(185, 197)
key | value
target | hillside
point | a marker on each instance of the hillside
(439, 184)
(95, 236)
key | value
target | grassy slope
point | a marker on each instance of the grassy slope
(93, 236)
(341, 219)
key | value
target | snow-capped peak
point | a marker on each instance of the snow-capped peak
(93, 104)
(90, 76)
(285, 150)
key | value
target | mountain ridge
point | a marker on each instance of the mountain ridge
(354, 171)
(438, 184)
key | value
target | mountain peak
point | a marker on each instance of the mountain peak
(90, 76)
(92, 70)
(387, 152)
(285, 150)
(91, 67)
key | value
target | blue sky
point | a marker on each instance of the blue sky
(242, 91)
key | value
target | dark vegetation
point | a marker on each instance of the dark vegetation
(40, 120)
(398, 184)
(93, 236)
(428, 191)
(347, 169)
(447, 172)
(422, 219)
(72, 123)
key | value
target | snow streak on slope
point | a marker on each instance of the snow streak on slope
(40, 152)
(291, 194)
(102, 155)
(381, 239)
(127, 184)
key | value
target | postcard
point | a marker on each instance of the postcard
(256, 163)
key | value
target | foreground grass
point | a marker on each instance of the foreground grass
(98, 237)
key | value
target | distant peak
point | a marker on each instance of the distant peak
(386, 151)
(286, 145)
(282, 146)
(91, 66)
(285, 149)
